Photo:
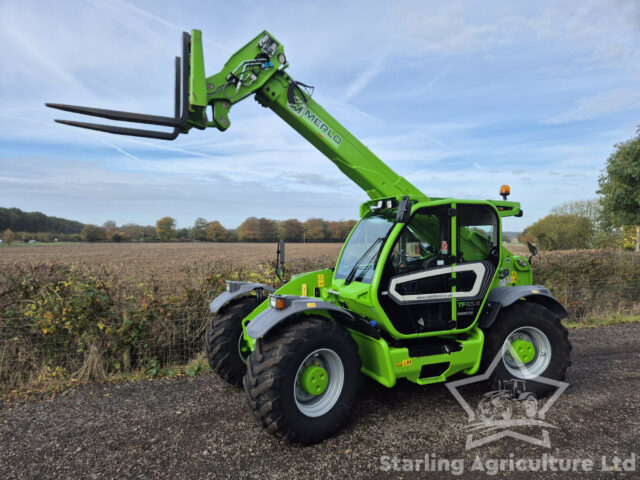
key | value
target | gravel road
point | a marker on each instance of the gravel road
(201, 428)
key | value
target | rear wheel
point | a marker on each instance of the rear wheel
(226, 349)
(302, 380)
(531, 342)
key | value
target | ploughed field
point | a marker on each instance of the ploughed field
(165, 258)
(161, 259)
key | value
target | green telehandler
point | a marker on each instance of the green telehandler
(422, 290)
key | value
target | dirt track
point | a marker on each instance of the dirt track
(201, 428)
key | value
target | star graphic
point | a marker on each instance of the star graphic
(544, 441)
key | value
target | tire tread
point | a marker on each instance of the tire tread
(265, 371)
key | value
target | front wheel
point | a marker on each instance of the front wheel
(225, 346)
(531, 343)
(302, 380)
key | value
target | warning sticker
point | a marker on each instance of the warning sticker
(405, 363)
(444, 247)
(413, 249)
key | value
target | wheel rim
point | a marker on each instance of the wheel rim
(316, 405)
(536, 362)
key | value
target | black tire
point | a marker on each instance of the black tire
(223, 337)
(271, 373)
(527, 315)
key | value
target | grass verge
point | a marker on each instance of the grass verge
(53, 386)
(603, 321)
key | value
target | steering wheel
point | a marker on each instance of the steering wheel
(398, 262)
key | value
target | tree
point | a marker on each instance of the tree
(132, 231)
(590, 209)
(216, 232)
(119, 237)
(92, 233)
(200, 227)
(290, 230)
(184, 233)
(266, 230)
(347, 227)
(315, 230)
(33, 222)
(603, 236)
(560, 232)
(8, 236)
(166, 228)
(109, 228)
(335, 230)
(620, 186)
(149, 232)
(249, 230)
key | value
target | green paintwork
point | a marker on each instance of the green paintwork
(325, 133)
(314, 380)
(197, 83)
(524, 350)
(294, 287)
(356, 298)
(386, 364)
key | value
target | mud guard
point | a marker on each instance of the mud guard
(502, 297)
(236, 290)
(270, 317)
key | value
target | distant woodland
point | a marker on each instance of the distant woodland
(19, 226)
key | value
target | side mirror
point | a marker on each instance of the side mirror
(404, 211)
(280, 259)
(533, 249)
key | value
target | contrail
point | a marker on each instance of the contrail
(172, 149)
(96, 137)
(168, 23)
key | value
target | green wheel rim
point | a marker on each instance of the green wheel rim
(524, 350)
(314, 380)
(538, 356)
(318, 404)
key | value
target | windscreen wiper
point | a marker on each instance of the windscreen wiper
(353, 271)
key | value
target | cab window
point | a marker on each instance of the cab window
(478, 233)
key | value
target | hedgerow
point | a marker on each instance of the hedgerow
(61, 322)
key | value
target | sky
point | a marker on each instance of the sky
(458, 97)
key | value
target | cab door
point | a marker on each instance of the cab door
(417, 285)
(478, 241)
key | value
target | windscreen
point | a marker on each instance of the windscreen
(362, 249)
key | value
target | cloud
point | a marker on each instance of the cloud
(94, 193)
(364, 78)
(136, 10)
(616, 100)
(433, 88)
(442, 30)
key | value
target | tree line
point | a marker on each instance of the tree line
(251, 230)
(31, 222)
(255, 229)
